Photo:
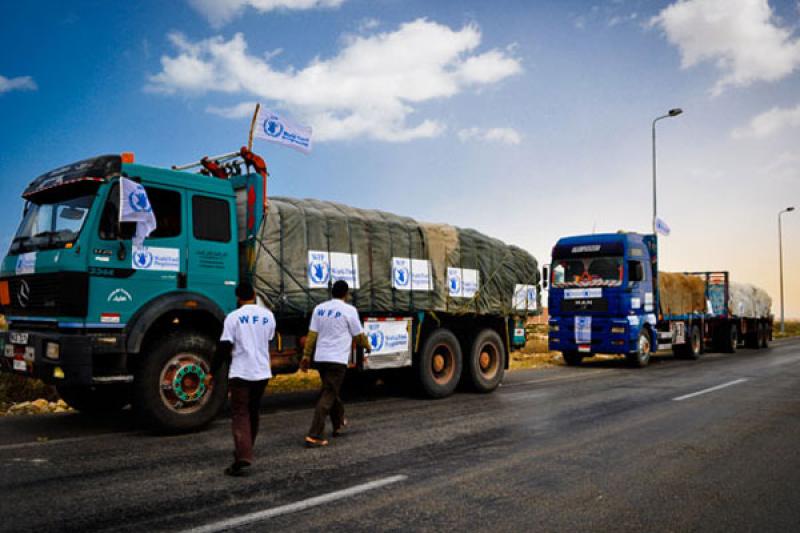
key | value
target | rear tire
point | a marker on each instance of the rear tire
(572, 358)
(168, 391)
(96, 399)
(486, 361)
(641, 357)
(693, 349)
(730, 339)
(439, 365)
(765, 335)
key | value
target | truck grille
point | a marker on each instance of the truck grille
(58, 294)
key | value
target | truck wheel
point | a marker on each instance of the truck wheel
(572, 358)
(96, 399)
(169, 389)
(753, 338)
(730, 339)
(486, 361)
(764, 336)
(693, 348)
(439, 367)
(641, 356)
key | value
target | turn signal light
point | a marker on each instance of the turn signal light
(58, 373)
(128, 157)
(5, 297)
(53, 350)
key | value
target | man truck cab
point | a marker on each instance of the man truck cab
(602, 296)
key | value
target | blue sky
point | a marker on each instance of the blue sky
(525, 120)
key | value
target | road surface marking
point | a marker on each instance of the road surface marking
(710, 389)
(302, 505)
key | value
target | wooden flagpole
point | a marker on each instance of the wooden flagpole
(253, 127)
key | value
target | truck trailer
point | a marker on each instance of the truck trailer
(607, 296)
(112, 323)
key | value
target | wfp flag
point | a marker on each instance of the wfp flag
(662, 228)
(280, 130)
(135, 207)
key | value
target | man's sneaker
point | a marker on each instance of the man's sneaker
(238, 469)
(311, 442)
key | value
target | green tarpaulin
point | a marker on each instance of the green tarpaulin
(398, 264)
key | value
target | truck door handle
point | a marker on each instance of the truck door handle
(182, 280)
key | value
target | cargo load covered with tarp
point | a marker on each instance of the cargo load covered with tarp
(748, 301)
(681, 294)
(392, 263)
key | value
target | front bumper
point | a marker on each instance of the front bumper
(608, 337)
(83, 359)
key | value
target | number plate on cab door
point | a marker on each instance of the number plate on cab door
(17, 337)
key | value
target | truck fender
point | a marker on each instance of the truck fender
(140, 323)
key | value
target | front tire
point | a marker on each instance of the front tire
(572, 358)
(486, 361)
(96, 399)
(641, 357)
(169, 393)
(439, 365)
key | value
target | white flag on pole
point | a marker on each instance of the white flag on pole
(135, 207)
(280, 130)
(662, 228)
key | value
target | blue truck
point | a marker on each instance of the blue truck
(605, 297)
(111, 323)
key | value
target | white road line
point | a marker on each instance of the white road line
(710, 389)
(297, 506)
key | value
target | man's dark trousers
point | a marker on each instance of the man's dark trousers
(329, 402)
(245, 403)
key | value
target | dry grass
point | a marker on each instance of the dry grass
(792, 328)
(299, 381)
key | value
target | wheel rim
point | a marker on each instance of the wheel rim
(695, 342)
(182, 380)
(488, 361)
(443, 364)
(644, 348)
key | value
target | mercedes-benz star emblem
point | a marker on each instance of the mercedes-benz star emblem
(23, 293)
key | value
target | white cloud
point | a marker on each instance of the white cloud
(245, 109)
(21, 83)
(769, 122)
(741, 37)
(501, 135)
(371, 88)
(220, 12)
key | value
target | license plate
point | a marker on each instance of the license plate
(20, 365)
(584, 348)
(18, 337)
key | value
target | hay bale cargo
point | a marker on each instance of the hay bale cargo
(681, 294)
(393, 264)
(748, 301)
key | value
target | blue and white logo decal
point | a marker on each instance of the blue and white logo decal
(273, 126)
(143, 259)
(319, 269)
(376, 340)
(455, 285)
(401, 277)
(138, 200)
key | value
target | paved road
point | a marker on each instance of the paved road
(596, 448)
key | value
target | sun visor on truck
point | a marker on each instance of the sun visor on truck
(571, 251)
(96, 168)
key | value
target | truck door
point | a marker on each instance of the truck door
(124, 279)
(213, 248)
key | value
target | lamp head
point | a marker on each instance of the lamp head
(675, 112)
(790, 209)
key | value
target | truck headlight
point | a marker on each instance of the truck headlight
(9, 350)
(618, 329)
(53, 350)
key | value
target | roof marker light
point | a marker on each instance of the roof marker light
(128, 157)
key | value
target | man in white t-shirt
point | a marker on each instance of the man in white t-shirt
(245, 341)
(334, 325)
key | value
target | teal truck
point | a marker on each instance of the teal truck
(110, 323)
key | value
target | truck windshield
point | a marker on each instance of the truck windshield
(52, 223)
(588, 272)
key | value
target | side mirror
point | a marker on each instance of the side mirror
(545, 276)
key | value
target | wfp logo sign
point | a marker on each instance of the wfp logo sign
(273, 126)
(143, 259)
(401, 277)
(319, 270)
(138, 201)
(376, 338)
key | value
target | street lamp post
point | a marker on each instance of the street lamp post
(671, 113)
(780, 256)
